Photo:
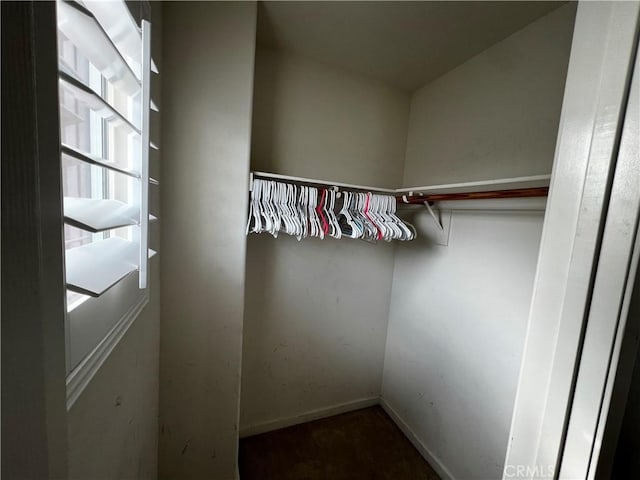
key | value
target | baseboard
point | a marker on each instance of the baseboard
(435, 463)
(308, 416)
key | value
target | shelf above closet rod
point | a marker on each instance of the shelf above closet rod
(532, 181)
(315, 182)
(518, 187)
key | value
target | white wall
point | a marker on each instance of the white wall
(113, 426)
(208, 54)
(314, 120)
(458, 313)
(316, 311)
(456, 329)
(495, 115)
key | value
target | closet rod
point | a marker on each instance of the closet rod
(439, 197)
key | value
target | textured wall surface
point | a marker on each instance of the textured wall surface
(456, 329)
(497, 115)
(113, 426)
(316, 310)
(208, 53)
(314, 120)
(458, 313)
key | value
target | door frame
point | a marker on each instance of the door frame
(580, 202)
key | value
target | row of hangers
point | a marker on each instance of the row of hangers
(304, 211)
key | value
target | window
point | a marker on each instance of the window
(104, 85)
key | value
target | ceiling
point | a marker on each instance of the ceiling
(404, 44)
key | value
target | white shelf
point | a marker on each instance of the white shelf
(314, 181)
(71, 152)
(94, 268)
(81, 27)
(480, 186)
(98, 215)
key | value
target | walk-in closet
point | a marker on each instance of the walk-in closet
(396, 96)
(365, 240)
(446, 108)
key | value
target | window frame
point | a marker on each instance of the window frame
(96, 324)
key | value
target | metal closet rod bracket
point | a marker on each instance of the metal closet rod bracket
(435, 217)
(427, 204)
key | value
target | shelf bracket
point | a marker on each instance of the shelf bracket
(435, 217)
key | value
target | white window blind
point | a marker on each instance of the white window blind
(104, 92)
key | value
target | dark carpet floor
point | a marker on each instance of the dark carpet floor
(364, 444)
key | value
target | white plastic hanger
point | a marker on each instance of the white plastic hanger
(277, 206)
(333, 220)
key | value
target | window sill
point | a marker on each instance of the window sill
(81, 375)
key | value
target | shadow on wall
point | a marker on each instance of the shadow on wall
(264, 123)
